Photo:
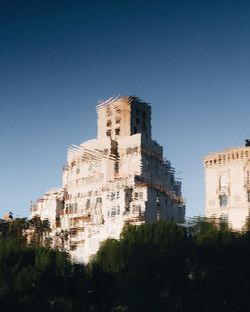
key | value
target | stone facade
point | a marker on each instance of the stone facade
(227, 185)
(120, 177)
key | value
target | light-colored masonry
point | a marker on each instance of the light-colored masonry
(121, 177)
(227, 184)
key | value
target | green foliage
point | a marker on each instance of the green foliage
(15, 230)
(153, 267)
(111, 252)
(39, 232)
(38, 276)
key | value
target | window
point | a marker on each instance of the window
(158, 203)
(137, 111)
(143, 114)
(118, 120)
(135, 130)
(73, 247)
(117, 131)
(109, 123)
(224, 183)
(136, 209)
(248, 196)
(128, 150)
(108, 133)
(116, 167)
(143, 125)
(88, 203)
(224, 217)
(248, 178)
(223, 200)
(137, 120)
(73, 232)
(98, 200)
(113, 212)
(108, 111)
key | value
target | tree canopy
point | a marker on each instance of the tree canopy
(153, 267)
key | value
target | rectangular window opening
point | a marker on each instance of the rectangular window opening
(223, 200)
(108, 111)
(248, 196)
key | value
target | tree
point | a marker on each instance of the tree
(38, 232)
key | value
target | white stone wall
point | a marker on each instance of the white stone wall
(226, 175)
(48, 205)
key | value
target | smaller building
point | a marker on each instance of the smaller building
(49, 206)
(227, 185)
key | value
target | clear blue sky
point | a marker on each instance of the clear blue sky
(189, 59)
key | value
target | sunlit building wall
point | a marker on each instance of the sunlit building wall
(227, 185)
(121, 177)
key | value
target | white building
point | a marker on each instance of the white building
(49, 206)
(120, 177)
(227, 185)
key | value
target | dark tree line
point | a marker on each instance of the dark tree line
(154, 267)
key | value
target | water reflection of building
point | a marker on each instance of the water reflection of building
(120, 177)
(227, 184)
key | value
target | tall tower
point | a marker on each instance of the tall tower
(124, 116)
(121, 177)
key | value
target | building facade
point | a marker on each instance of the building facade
(227, 185)
(121, 177)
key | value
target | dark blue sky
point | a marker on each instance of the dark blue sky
(189, 59)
